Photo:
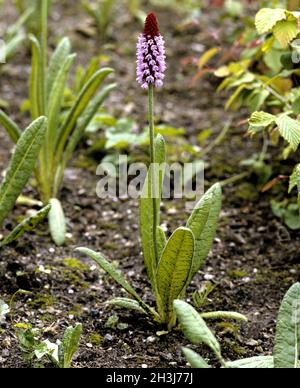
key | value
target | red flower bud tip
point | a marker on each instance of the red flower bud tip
(151, 26)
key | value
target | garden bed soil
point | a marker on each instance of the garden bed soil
(254, 260)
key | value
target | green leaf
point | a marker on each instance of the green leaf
(11, 127)
(79, 106)
(261, 119)
(35, 79)
(194, 359)
(161, 240)
(55, 104)
(59, 57)
(127, 304)
(289, 130)
(116, 275)
(174, 270)
(287, 341)
(295, 182)
(69, 345)
(285, 31)
(194, 328)
(21, 165)
(203, 223)
(228, 315)
(262, 362)
(146, 210)
(267, 18)
(57, 222)
(82, 124)
(27, 225)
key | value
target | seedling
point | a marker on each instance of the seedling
(287, 339)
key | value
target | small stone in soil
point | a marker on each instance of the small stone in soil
(108, 338)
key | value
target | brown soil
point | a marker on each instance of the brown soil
(254, 259)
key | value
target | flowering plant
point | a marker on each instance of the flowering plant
(171, 264)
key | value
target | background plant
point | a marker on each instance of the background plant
(265, 79)
(35, 350)
(65, 127)
(17, 174)
(287, 339)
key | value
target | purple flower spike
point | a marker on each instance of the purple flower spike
(151, 58)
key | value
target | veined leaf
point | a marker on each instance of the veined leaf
(116, 275)
(289, 130)
(11, 127)
(261, 119)
(174, 269)
(57, 222)
(194, 359)
(267, 18)
(285, 31)
(27, 225)
(262, 362)
(203, 223)
(127, 304)
(21, 165)
(69, 345)
(146, 210)
(194, 328)
(287, 341)
(59, 57)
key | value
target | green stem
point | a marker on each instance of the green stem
(43, 42)
(152, 169)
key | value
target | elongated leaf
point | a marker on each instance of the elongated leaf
(194, 359)
(21, 165)
(84, 98)
(116, 275)
(161, 241)
(54, 107)
(174, 269)
(57, 222)
(287, 341)
(203, 223)
(147, 211)
(35, 77)
(59, 57)
(83, 123)
(289, 130)
(27, 225)
(69, 345)
(228, 315)
(262, 362)
(11, 127)
(194, 328)
(127, 304)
